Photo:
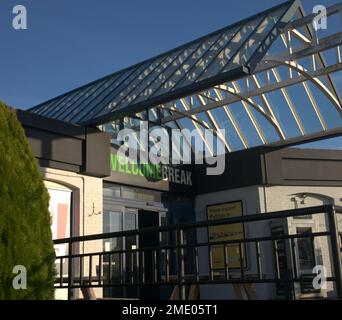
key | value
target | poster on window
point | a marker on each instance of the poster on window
(59, 207)
(226, 232)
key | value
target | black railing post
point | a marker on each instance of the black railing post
(335, 250)
(70, 251)
(180, 261)
(289, 285)
(70, 291)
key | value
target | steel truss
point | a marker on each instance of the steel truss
(225, 94)
(232, 72)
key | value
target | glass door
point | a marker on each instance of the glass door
(130, 222)
(148, 242)
(112, 263)
(120, 268)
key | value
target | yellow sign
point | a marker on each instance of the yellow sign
(233, 231)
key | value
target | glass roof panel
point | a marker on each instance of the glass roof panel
(174, 75)
(108, 102)
(205, 119)
(266, 127)
(87, 108)
(210, 57)
(248, 36)
(214, 80)
(283, 114)
(90, 96)
(304, 108)
(337, 79)
(231, 134)
(329, 112)
(60, 105)
(154, 81)
(131, 92)
(232, 47)
(245, 124)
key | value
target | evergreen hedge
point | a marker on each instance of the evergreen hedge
(25, 234)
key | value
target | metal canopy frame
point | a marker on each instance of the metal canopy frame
(233, 72)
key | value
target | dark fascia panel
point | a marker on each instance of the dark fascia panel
(312, 154)
(242, 169)
(64, 146)
(273, 166)
(58, 165)
(304, 167)
(32, 120)
(55, 147)
(97, 153)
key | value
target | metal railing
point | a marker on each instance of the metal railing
(266, 259)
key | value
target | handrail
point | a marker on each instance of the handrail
(205, 223)
(166, 261)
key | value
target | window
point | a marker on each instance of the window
(112, 222)
(111, 190)
(306, 252)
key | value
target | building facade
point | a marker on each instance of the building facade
(244, 94)
(93, 195)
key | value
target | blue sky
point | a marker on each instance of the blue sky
(71, 42)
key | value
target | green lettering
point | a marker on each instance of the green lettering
(141, 170)
(153, 171)
(128, 171)
(113, 162)
(158, 172)
(135, 169)
(149, 170)
(121, 165)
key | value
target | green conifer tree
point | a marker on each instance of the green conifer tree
(25, 234)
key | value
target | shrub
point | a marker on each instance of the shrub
(25, 234)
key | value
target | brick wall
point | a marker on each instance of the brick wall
(87, 200)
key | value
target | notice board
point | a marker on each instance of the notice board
(225, 232)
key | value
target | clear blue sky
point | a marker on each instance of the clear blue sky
(71, 42)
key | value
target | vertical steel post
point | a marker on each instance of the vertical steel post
(258, 259)
(61, 272)
(196, 265)
(335, 250)
(81, 270)
(70, 271)
(226, 262)
(180, 261)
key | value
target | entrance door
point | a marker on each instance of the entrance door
(113, 263)
(130, 222)
(123, 266)
(147, 240)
